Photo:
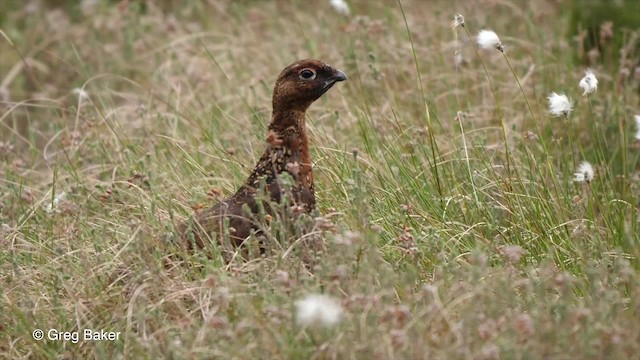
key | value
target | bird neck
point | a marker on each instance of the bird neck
(287, 145)
(290, 129)
(284, 120)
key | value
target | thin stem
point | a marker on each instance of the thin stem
(466, 158)
(426, 105)
(459, 117)
(598, 134)
(495, 96)
(573, 152)
(523, 94)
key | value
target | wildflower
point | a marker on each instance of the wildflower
(589, 83)
(218, 322)
(637, 117)
(318, 309)
(524, 325)
(513, 252)
(341, 7)
(81, 93)
(458, 20)
(487, 329)
(398, 337)
(324, 223)
(606, 31)
(559, 104)
(529, 135)
(585, 172)
(488, 39)
(6, 148)
(490, 352)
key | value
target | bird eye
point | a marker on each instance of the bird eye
(307, 74)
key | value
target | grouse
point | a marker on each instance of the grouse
(297, 87)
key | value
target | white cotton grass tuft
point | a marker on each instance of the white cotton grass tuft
(81, 93)
(637, 117)
(488, 39)
(318, 309)
(589, 83)
(584, 173)
(559, 104)
(341, 7)
(50, 207)
(458, 20)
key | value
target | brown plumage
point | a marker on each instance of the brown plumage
(297, 87)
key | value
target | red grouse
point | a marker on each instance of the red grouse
(297, 87)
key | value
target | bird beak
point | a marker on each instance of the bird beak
(339, 76)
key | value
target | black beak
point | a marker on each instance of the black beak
(339, 76)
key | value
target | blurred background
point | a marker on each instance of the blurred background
(215, 50)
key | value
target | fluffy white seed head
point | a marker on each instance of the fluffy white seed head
(589, 83)
(53, 205)
(318, 309)
(458, 20)
(637, 127)
(559, 104)
(341, 7)
(81, 93)
(488, 39)
(584, 173)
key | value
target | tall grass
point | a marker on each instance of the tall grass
(496, 254)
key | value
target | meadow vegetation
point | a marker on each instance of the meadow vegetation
(449, 222)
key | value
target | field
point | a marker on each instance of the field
(450, 222)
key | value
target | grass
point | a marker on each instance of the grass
(449, 223)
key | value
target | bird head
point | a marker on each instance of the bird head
(302, 83)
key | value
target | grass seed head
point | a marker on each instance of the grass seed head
(458, 20)
(524, 326)
(318, 309)
(52, 206)
(341, 7)
(585, 172)
(81, 93)
(559, 104)
(488, 39)
(589, 83)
